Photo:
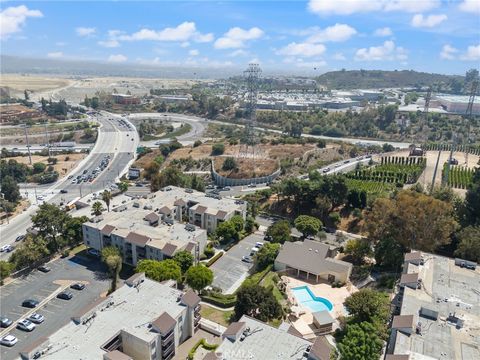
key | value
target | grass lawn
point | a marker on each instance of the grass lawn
(218, 316)
(275, 322)
(78, 249)
(182, 130)
(268, 281)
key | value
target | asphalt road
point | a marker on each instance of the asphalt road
(114, 139)
(44, 286)
(229, 271)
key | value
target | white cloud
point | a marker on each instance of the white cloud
(299, 62)
(55, 55)
(13, 18)
(387, 51)
(471, 6)
(236, 37)
(448, 52)
(418, 20)
(202, 61)
(348, 7)
(111, 43)
(193, 52)
(339, 56)
(337, 32)
(185, 44)
(119, 58)
(386, 31)
(60, 43)
(85, 31)
(472, 53)
(239, 52)
(302, 49)
(184, 32)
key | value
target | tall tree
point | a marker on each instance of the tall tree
(266, 255)
(360, 342)
(198, 277)
(258, 302)
(97, 208)
(279, 231)
(107, 197)
(160, 270)
(10, 189)
(113, 259)
(469, 243)
(368, 305)
(51, 222)
(184, 259)
(308, 225)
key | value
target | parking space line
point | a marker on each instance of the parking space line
(48, 311)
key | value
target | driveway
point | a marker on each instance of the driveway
(43, 287)
(229, 271)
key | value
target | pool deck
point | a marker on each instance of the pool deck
(335, 295)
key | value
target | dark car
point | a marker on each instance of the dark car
(30, 303)
(63, 191)
(77, 286)
(65, 295)
(44, 269)
(5, 322)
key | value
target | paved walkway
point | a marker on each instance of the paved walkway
(184, 349)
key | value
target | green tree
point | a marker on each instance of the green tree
(258, 302)
(29, 252)
(279, 231)
(73, 232)
(469, 243)
(39, 167)
(360, 342)
(218, 149)
(250, 225)
(471, 209)
(197, 183)
(198, 277)
(229, 164)
(97, 208)
(171, 175)
(226, 231)
(5, 270)
(123, 186)
(107, 197)
(389, 253)
(368, 305)
(184, 259)
(266, 255)
(10, 189)
(238, 222)
(112, 257)
(160, 270)
(357, 249)
(308, 225)
(51, 222)
(151, 169)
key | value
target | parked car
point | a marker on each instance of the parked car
(30, 303)
(8, 340)
(20, 237)
(65, 295)
(77, 286)
(63, 191)
(25, 325)
(254, 251)
(44, 268)
(6, 248)
(247, 259)
(5, 322)
(259, 244)
(36, 318)
(93, 252)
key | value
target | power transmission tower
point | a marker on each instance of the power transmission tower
(426, 108)
(468, 115)
(28, 144)
(251, 75)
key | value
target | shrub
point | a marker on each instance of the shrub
(209, 252)
(213, 259)
(218, 149)
(197, 143)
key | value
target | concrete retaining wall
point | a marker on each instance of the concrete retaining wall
(225, 181)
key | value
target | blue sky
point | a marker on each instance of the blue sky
(315, 36)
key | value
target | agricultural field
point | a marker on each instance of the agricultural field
(458, 177)
(392, 169)
(375, 188)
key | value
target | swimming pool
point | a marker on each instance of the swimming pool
(305, 297)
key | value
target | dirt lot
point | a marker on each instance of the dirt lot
(18, 83)
(247, 167)
(62, 166)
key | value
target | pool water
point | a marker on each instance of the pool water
(305, 297)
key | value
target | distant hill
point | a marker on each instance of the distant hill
(369, 79)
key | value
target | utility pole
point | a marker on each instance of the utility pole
(47, 140)
(28, 144)
(468, 115)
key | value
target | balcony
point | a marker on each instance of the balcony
(167, 337)
(197, 309)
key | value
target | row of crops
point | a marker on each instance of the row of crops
(396, 170)
(472, 149)
(370, 187)
(458, 177)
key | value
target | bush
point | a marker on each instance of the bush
(52, 160)
(209, 252)
(197, 143)
(220, 300)
(213, 259)
(218, 149)
(203, 343)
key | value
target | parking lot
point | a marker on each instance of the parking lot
(229, 271)
(44, 287)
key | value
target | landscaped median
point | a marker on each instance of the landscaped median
(214, 258)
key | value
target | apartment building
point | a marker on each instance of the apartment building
(142, 320)
(436, 309)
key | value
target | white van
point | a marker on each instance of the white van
(254, 251)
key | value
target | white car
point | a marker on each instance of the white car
(36, 318)
(6, 248)
(25, 325)
(40, 197)
(8, 340)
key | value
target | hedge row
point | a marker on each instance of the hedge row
(203, 343)
(220, 300)
(213, 259)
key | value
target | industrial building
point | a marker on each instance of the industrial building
(126, 99)
(456, 104)
(143, 319)
(437, 310)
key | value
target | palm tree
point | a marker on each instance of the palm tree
(123, 186)
(106, 197)
(97, 208)
(112, 257)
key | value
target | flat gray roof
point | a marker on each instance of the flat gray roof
(264, 342)
(447, 289)
(133, 310)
